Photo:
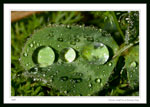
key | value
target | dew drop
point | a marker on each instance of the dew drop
(68, 26)
(60, 39)
(91, 39)
(64, 78)
(77, 39)
(51, 34)
(133, 64)
(90, 85)
(98, 80)
(68, 54)
(25, 54)
(27, 64)
(65, 92)
(58, 46)
(34, 42)
(77, 80)
(96, 53)
(46, 56)
(73, 43)
(109, 64)
(50, 80)
(43, 75)
(31, 45)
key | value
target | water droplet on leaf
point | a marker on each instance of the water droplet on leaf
(46, 57)
(98, 80)
(64, 78)
(133, 64)
(68, 54)
(25, 54)
(96, 53)
(60, 39)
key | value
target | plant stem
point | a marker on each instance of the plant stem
(117, 24)
(125, 48)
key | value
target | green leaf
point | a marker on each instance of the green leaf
(80, 76)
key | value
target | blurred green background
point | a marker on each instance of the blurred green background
(21, 30)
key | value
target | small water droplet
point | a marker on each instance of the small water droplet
(77, 80)
(19, 59)
(50, 80)
(100, 30)
(98, 80)
(77, 39)
(90, 85)
(91, 39)
(133, 64)
(58, 46)
(34, 79)
(65, 92)
(73, 43)
(68, 26)
(25, 54)
(27, 64)
(60, 39)
(64, 78)
(109, 64)
(34, 42)
(43, 75)
(31, 45)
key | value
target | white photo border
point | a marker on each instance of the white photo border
(75, 99)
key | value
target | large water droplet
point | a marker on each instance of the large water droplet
(96, 53)
(68, 54)
(46, 56)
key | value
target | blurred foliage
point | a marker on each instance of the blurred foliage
(124, 27)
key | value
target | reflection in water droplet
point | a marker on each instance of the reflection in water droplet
(96, 53)
(46, 57)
